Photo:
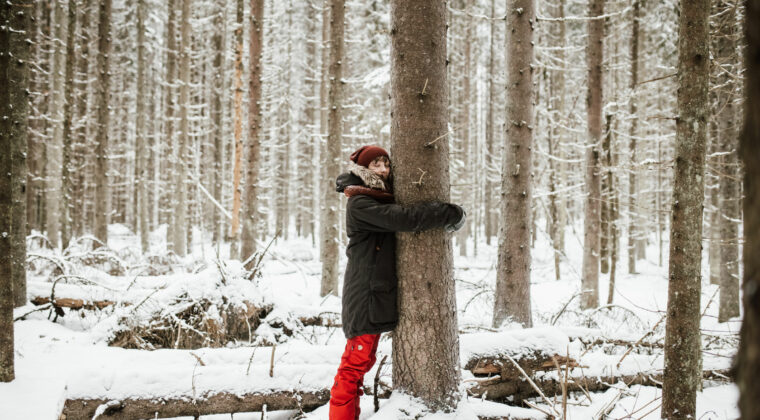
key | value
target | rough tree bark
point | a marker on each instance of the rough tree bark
(748, 359)
(19, 132)
(590, 282)
(330, 201)
(425, 343)
(250, 215)
(238, 131)
(682, 335)
(512, 299)
(15, 24)
(102, 189)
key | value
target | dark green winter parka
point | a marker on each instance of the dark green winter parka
(369, 286)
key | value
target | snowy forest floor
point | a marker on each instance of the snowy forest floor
(151, 303)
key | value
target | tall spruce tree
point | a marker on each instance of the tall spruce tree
(426, 342)
(682, 374)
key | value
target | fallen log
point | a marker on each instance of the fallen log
(222, 403)
(515, 388)
(70, 303)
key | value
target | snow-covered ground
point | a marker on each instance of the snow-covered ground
(70, 358)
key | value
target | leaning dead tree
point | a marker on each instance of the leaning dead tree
(682, 334)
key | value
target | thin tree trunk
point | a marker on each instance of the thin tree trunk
(102, 189)
(180, 205)
(590, 281)
(238, 132)
(83, 152)
(748, 358)
(425, 343)
(169, 104)
(632, 209)
(15, 25)
(464, 234)
(68, 117)
(512, 299)
(490, 128)
(726, 56)
(54, 145)
(141, 152)
(330, 230)
(250, 216)
(682, 335)
(217, 112)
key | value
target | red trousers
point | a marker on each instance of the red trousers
(358, 358)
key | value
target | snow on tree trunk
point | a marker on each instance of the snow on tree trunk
(331, 200)
(250, 215)
(512, 299)
(590, 280)
(426, 342)
(682, 334)
(748, 358)
(102, 188)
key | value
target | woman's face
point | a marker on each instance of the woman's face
(381, 167)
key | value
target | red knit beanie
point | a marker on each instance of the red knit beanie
(366, 154)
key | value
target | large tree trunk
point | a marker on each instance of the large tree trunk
(590, 282)
(748, 359)
(18, 80)
(330, 230)
(238, 132)
(726, 56)
(15, 23)
(180, 170)
(141, 152)
(250, 215)
(102, 195)
(682, 335)
(512, 299)
(425, 343)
